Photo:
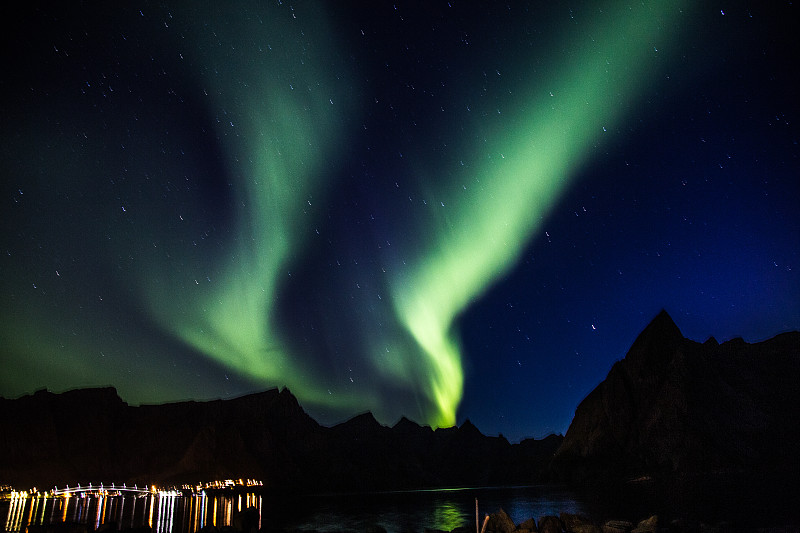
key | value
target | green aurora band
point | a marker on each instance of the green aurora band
(289, 109)
(284, 97)
(483, 228)
(283, 109)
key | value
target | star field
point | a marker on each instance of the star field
(438, 211)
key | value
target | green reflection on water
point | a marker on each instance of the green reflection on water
(447, 516)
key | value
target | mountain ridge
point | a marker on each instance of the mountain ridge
(671, 406)
(265, 435)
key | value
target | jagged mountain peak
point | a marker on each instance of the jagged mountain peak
(410, 429)
(711, 341)
(363, 420)
(469, 428)
(655, 346)
(662, 326)
(405, 422)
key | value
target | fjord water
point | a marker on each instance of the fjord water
(443, 509)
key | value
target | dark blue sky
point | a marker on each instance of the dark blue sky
(201, 202)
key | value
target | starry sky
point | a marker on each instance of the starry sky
(438, 210)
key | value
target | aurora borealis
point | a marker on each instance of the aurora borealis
(431, 210)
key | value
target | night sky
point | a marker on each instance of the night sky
(435, 209)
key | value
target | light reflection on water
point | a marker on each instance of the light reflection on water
(449, 516)
(395, 511)
(420, 510)
(162, 512)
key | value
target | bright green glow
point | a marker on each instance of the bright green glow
(288, 112)
(282, 99)
(482, 229)
(447, 516)
(283, 111)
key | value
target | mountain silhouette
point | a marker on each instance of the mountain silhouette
(91, 435)
(673, 406)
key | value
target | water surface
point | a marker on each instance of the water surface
(397, 512)
(443, 509)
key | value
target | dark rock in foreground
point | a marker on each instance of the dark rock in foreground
(500, 522)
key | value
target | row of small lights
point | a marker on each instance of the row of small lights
(8, 492)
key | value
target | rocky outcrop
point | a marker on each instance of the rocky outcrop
(500, 522)
(673, 405)
(550, 524)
